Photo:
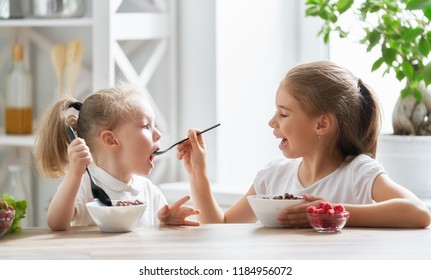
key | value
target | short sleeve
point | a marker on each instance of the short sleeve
(364, 171)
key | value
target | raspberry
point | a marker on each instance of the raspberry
(338, 208)
(310, 209)
(327, 206)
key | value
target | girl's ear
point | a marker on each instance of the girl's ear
(108, 139)
(325, 123)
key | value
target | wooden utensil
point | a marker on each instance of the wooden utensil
(58, 59)
(74, 56)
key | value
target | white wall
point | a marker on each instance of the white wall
(196, 73)
(255, 47)
(233, 54)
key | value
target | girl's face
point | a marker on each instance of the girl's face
(138, 139)
(292, 125)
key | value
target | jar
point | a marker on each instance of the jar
(18, 105)
(11, 9)
(58, 8)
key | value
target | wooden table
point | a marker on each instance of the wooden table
(217, 242)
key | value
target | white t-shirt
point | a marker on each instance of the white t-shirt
(349, 184)
(141, 189)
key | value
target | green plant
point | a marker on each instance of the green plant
(401, 28)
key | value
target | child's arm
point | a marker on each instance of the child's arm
(176, 214)
(192, 153)
(395, 207)
(61, 209)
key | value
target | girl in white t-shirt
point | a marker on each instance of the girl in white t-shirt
(328, 121)
(117, 126)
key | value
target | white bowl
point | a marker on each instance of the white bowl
(115, 218)
(266, 208)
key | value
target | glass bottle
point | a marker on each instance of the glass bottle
(18, 107)
(15, 186)
(18, 190)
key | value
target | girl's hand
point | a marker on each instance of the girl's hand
(177, 214)
(296, 216)
(79, 156)
(192, 153)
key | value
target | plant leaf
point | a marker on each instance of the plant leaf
(411, 33)
(427, 13)
(417, 94)
(427, 74)
(377, 64)
(373, 38)
(344, 5)
(424, 47)
(418, 4)
(389, 55)
(400, 75)
(408, 69)
(405, 92)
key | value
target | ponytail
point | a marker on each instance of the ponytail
(369, 124)
(50, 151)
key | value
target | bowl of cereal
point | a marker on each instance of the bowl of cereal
(326, 217)
(268, 207)
(122, 216)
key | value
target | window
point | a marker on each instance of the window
(251, 45)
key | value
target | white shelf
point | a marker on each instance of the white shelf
(16, 140)
(36, 22)
(113, 44)
(154, 26)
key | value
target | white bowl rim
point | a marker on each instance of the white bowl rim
(271, 197)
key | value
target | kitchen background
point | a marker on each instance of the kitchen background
(199, 62)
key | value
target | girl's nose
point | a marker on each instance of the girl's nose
(272, 122)
(156, 134)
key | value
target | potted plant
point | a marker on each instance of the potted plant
(401, 30)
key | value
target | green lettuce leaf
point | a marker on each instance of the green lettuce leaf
(20, 207)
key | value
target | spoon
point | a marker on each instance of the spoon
(97, 191)
(179, 142)
(58, 58)
(74, 56)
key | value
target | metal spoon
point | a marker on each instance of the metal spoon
(97, 191)
(179, 142)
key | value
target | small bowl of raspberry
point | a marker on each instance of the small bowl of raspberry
(326, 217)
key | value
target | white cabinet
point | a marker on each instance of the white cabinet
(130, 40)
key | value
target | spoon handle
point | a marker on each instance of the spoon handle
(200, 132)
(97, 191)
(179, 142)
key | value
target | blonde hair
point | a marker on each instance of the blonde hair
(100, 110)
(325, 87)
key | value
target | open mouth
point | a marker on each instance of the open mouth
(283, 143)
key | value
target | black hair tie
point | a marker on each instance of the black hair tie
(77, 105)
